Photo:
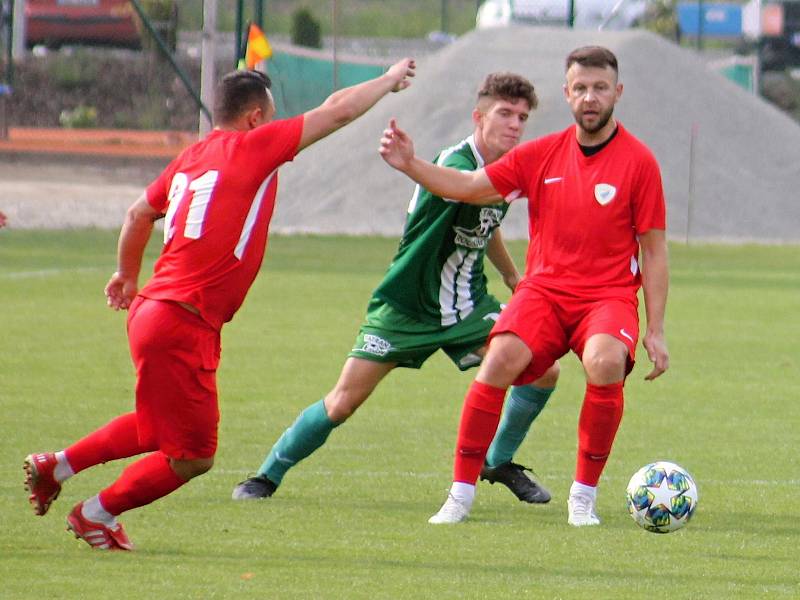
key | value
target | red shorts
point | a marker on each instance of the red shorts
(552, 324)
(176, 355)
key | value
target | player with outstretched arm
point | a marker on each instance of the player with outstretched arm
(216, 199)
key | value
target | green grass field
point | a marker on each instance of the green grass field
(351, 521)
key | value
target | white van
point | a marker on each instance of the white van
(589, 14)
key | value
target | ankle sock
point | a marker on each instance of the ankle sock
(93, 511)
(583, 490)
(63, 470)
(463, 492)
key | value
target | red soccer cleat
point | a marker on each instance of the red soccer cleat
(97, 535)
(40, 482)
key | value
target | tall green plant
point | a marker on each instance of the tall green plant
(163, 15)
(306, 30)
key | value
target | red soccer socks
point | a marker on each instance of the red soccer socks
(142, 482)
(119, 438)
(599, 420)
(480, 416)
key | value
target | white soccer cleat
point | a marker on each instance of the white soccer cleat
(452, 511)
(581, 510)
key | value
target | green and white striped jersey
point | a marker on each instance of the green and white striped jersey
(437, 274)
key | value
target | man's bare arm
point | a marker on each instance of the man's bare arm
(471, 187)
(497, 252)
(655, 284)
(344, 106)
(123, 286)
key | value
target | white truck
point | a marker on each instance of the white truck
(588, 14)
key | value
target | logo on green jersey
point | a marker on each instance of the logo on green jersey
(476, 238)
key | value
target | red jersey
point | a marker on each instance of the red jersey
(218, 196)
(585, 212)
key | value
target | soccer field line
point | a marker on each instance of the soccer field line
(50, 272)
(551, 477)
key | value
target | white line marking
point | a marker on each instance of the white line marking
(551, 478)
(52, 272)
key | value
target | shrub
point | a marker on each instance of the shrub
(71, 72)
(781, 90)
(660, 18)
(81, 116)
(163, 15)
(306, 30)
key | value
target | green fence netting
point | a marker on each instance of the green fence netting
(302, 79)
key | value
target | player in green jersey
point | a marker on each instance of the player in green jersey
(434, 296)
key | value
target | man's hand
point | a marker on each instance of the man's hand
(400, 72)
(397, 149)
(120, 291)
(657, 352)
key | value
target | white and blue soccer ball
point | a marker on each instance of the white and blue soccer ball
(661, 497)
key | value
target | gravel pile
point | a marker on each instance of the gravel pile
(744, 184)
(42, 192)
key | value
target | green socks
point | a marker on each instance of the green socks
(313, 426)
(521, 408)
(307, 433)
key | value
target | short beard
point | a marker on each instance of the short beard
(601, 122)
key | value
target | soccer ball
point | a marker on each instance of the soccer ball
(661, 497)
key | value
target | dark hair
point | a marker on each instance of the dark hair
(237, 92)
(592, 56)
(508, 86)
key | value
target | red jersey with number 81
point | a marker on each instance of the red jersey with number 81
(585, 212)
(218, 196)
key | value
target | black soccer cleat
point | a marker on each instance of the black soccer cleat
(513, 477)
(254, 488)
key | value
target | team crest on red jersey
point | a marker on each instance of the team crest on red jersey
(604, 193)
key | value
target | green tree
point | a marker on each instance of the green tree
(306, 30)
(163, 15)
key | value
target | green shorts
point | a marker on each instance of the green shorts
(391, 336)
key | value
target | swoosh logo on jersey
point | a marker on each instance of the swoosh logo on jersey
(604, 193)
(626, 334)
(550, 180)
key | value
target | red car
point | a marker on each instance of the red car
(89, 22)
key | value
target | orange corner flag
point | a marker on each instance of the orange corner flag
(258, 47)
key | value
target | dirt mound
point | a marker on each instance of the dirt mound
(746, 175)
(742, 186)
